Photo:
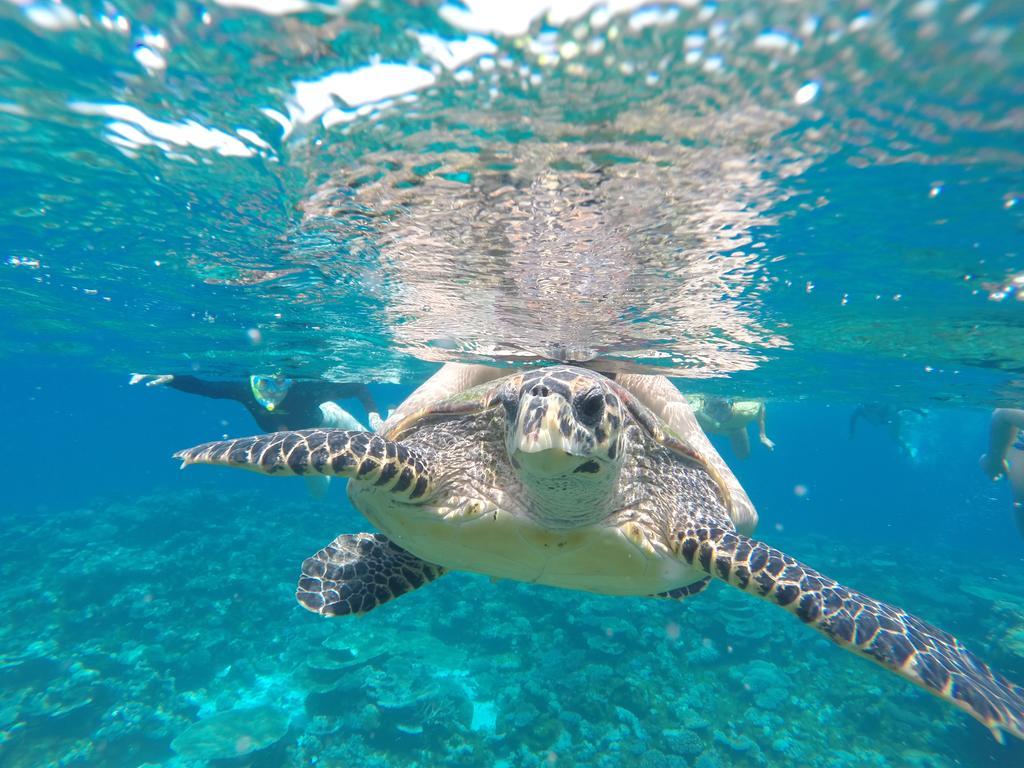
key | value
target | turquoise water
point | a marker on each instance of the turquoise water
(815, 204)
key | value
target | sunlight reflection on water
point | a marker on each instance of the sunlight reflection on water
(646, 185)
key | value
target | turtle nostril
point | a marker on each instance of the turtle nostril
(539, 391)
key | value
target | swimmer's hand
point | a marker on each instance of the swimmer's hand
(993, 468)
(157, 379)
(768, 443)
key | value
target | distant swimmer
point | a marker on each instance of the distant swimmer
(1006, 455)
(885, 415)
(720, 416)
(280, 404)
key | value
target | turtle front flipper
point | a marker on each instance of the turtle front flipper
(339, 452)
(357, 572)
(925, 655)
(681, 593)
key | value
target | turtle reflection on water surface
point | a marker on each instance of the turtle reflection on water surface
(567, 477)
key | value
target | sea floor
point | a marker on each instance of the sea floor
(163, 631)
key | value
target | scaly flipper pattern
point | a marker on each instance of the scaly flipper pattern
(357, 572)
(681, 593)
(340, 452)
(923, 654)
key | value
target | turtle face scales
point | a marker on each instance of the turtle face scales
(564, 436)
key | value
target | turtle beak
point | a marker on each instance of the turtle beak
(542, 437)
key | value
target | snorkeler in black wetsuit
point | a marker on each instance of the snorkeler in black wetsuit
(277, 404)
(280, 404)
(883, 414)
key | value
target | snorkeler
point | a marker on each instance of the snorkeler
(279, 404)
(883, 414)
(1006, 455)
(720, 416)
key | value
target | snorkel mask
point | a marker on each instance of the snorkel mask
(269, 391)
(718, 408)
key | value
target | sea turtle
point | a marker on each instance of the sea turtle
(567, 477)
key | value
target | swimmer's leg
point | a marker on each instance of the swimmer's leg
(333, 416)
(317, 485)
(740, 442)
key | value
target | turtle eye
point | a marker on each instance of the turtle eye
(591, 405)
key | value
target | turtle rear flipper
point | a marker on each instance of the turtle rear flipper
(357, 572)
(900, 642)
(332, 452)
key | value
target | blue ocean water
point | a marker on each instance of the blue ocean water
(813, 204)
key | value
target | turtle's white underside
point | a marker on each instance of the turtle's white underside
(482, 537)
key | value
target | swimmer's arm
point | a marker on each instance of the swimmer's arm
(853, 421)
(219, 390)
(761, 429)
(1005, 424)
(1002, 432)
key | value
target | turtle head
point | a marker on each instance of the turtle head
(563, 423)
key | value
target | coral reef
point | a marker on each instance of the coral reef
(165, 635)
(232, 734)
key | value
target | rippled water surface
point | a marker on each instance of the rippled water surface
(705, 188)
(815, 203)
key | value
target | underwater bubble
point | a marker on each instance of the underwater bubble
(773, 40)
(149, 58)
(807, 93)
(862, 21)
(51, 17)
